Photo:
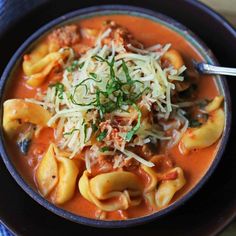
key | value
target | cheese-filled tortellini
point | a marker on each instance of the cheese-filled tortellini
(159, 191)
(205, 135)
(153, 179)
(16, 112)
(214, 104)
(167, 189)
(68, 172)
(39, 63)
(47, 172)
(174, 58)
(57, 175)
(124, 187)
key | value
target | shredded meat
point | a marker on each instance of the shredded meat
(65, 36)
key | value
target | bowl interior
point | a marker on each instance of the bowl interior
(100, 11)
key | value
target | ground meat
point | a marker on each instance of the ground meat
(162, 163)
(65, 36)
(130, 164)
(121, 34)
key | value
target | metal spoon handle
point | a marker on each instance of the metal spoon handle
(215, 70)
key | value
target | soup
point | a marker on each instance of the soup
(109, 120)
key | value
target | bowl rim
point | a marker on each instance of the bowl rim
(90, 12)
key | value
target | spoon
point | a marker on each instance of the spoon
(205, 68)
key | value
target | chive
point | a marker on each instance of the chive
(130, 134)
(104, 149)
(70, 132)
(102, 135)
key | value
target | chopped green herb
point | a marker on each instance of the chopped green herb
(122, 91)
(70, 132)
(72, 97)
(81, 65)
(94, 75)
(104, 149)
(94, 127)
(130, 134)
(85, 133)
(59, 89)
(102, 135)
(126, 71)
(74, 65)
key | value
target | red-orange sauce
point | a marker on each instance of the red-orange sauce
(194, 165)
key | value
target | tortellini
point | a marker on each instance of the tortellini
(153, 179)
(47, 172)
(168, 188)
(39, 63)
(57, 175)
(205, 135)
(174, 58)
(16, 112)
(68, 172)
(124, 187)
(160, 192)
(214, 104)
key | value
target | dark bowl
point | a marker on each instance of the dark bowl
(109, 10)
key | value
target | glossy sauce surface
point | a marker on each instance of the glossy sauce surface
(194, 164)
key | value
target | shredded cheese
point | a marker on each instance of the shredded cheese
(72, 111)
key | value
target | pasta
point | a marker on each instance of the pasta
(108, 126)
(121, 185)
(168, 188)
(206, 135)
(47, 172)
(56, 171)
(18, 111)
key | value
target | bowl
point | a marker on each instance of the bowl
(99, 11)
